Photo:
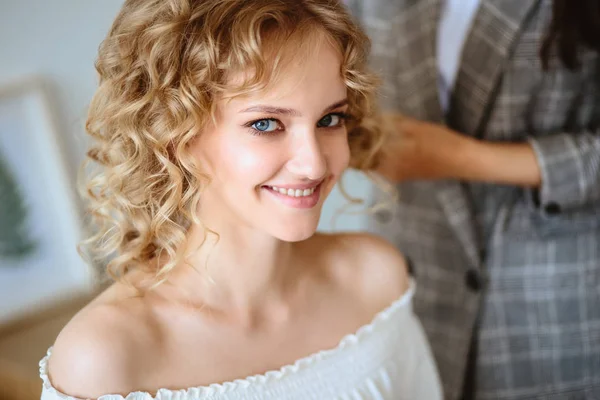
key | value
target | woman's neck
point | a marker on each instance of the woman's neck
(240, 271)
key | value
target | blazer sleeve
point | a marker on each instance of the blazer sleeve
(570, 168)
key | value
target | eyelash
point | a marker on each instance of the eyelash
(344, 117)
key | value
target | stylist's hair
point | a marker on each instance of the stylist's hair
(575, 25)
(162, 68)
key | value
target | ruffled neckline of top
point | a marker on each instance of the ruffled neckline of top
(264, 380)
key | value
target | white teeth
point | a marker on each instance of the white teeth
(294, 193)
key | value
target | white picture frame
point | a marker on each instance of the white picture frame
(53, 271)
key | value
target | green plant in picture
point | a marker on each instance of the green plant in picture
(14, 239)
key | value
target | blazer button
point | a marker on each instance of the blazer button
(473, 280)
(552, 209)
(410, 266)
(383, 216)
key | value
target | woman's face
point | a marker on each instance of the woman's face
(274, 156)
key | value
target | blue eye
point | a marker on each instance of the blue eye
(265, 125)
(331, 120)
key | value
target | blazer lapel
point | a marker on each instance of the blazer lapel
(490, 43)
(455, 202)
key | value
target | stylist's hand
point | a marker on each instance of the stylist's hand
(423, 151)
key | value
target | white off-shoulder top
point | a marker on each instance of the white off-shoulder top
(388, 359)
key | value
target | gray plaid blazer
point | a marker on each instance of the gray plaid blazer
(511, 273)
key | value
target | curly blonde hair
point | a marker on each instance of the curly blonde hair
(161, 67)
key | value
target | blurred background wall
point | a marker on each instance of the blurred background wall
(57, 40)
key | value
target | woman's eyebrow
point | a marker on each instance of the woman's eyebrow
(288, 111)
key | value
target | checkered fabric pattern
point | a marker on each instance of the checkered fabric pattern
(514, 271)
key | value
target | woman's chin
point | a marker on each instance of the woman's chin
(296, 234)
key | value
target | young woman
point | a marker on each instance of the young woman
(221, 126)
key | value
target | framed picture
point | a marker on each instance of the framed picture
(40, 222)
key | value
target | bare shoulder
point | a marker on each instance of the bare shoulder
(100, 351)
(370, 264)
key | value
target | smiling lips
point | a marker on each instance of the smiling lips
(293, 192)
(300, 197)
